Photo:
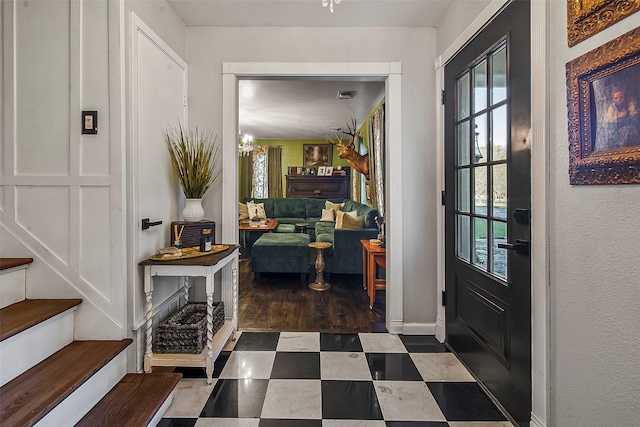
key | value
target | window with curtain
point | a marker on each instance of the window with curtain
(259, 181)
(266, 177)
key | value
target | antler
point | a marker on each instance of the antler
(332, 142)
(352, 130)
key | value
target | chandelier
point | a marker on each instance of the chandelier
(330, 3)
(246, 145)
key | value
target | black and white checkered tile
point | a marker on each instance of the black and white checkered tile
(292, 379)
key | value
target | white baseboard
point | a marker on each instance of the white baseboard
(536, 422)
(440, 330)
(419, 329)
(395, 327)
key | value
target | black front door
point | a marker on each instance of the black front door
(487, 182)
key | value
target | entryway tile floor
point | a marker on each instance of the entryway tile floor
(312, 379)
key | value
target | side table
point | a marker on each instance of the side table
(320, 284)
(204, 266)
(372, 255)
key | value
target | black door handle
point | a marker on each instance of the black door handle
(146, 223)
(520, 246)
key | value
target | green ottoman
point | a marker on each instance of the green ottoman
(281, 253)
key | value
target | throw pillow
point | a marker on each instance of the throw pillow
(349, 222)
(340, 217)
(243, 211)
(328, 215)
(334, 206)
(256, 210)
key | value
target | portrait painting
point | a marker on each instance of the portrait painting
(317, 155)
(603, 98)
(616, 98)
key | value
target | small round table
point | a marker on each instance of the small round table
(301, 227)
(320, 284)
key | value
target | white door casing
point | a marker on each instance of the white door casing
(390, 73)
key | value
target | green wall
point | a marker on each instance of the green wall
(292, 149)
(292, 154)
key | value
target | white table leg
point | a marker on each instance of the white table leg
(209, 361)
(148, 353)
(187, 286)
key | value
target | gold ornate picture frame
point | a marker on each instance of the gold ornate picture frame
(603, 102)
(587, 17)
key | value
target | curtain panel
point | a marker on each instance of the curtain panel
(246, 173)
(274, 171)
(376, 158)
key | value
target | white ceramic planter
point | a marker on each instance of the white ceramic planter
(193, 210)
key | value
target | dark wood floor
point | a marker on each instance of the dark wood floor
(280, 302)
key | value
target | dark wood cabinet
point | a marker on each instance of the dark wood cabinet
(321, 187)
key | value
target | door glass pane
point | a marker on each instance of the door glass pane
(480, 190)
(499, 259)
(463, 237)
(480, 86)
(499, 75)
(499, 190)
(480, 139)
(464, 189)
(499, 135)
(463, 143)
(463, 96)
(480, 243)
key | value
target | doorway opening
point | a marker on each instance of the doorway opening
(390, 74)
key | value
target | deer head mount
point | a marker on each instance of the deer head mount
(349, 151)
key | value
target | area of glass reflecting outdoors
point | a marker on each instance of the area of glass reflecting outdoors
(482, 137)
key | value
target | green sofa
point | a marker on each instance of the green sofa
(345, 256)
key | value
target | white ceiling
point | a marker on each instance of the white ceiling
(303, 109)
(306, 109)
(310, 13)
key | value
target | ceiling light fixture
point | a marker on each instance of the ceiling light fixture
(330, 3)
(246, 145)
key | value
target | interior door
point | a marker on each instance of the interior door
(159, 89)
(487, 182)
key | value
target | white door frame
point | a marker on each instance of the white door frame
(537, 140)
(390, 73)
(138, 29)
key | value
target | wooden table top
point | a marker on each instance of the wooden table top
(205, 260)
(373, 248)
(270, 225)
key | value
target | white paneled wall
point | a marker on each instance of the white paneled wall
(61, 192)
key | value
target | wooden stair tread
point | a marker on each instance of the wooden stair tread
(25, 314)
(30, 396)
(124, 404)
(6, 263)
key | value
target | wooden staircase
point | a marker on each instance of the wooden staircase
(49, 379)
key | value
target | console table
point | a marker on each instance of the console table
(204, 266)
(321, 187)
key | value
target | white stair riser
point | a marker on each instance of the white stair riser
(25, 350)
(158, 416)
(75, 406)
(12, 287)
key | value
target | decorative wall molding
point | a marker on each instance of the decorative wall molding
(77, 268)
